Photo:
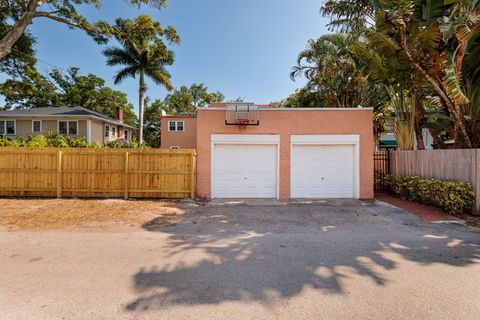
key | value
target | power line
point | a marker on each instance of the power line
(57, 67)
(40, 60)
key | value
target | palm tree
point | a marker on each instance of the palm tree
(438, 39)
(142, 54)
(349, 16)
(330, 71)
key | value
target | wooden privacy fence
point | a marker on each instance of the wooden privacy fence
(462, 165)
(127, 173)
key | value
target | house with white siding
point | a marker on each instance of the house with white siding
(76, 121)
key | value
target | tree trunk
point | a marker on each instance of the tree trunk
(437, 140)
(141, 98)
(12, 36)
(418, 122)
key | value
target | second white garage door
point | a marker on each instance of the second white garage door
(244, 171)
(323, 171)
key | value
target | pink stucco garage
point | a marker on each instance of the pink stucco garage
(291, 153)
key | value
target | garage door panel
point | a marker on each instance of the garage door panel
(323, 171)
(245, 171)
(241, 169)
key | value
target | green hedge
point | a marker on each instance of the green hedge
(53, 140)
(454, 198)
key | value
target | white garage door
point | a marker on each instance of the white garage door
(323, 171)
(244, 171)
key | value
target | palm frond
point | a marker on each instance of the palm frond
(159, 75)
(429, 11)
(382, 43)
(428, 39)
(453, 85)
(130, 71)
(119, 56)
(373, 63)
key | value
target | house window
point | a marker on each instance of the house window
(125, 134)
(107, 131)
(7, 127)
(37, 126)
(114, 131)
(68, 127)
(72, 127)
(176, 126)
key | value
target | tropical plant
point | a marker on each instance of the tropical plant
(349, 15)
(438, 39)
(472, 112)
(435, 36)
(331, 73)
(402, 120)
(142, 53)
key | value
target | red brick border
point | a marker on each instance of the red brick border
(425, 212)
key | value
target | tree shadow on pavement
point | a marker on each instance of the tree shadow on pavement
(265, 253)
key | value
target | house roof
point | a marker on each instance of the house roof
(273, 106)
(74, 111)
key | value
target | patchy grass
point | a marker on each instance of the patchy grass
(39, 214)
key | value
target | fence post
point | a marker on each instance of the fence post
(59, 174)
(125, 177)
(389, 169)
(476, 185)
(193, 185)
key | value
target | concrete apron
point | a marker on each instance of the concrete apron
(277, 202)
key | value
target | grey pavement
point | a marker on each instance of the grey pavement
(248, 260)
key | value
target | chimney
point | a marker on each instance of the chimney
(119, 114)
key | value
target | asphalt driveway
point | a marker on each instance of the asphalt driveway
(266, 260)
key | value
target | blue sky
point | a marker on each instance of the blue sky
(242, 48)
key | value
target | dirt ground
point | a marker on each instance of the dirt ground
(85, 215)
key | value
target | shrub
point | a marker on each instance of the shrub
(53, 140)
(125, 144)
(454, 198)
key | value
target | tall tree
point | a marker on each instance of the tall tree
(182, 100)
(153, 115)
(349, 16)
(143, 53)
(435, 37)
(188, 99)
(66, 89)
(331, 72)
(22, 59)
(303, 98)
(22, 13)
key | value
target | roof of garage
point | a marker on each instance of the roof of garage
(217, 106)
